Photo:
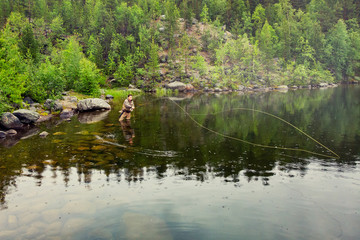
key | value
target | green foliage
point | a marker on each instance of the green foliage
(57, 30)
(89, 78)
(172, 14)
(204, 16)
(28, 45)
(125, 74)
(258, 18)
(43, 43)
(217, 8)
(12, 68)
(268, 40)
(70, 62)
(338, 49)
(95, 51)
(199, 64)
(153, 64)
(51, 79)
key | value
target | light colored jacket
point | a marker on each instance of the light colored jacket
(128, 106)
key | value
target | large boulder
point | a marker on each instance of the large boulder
(92, 104)
(176, 86)
(26, 116)
(9, 120)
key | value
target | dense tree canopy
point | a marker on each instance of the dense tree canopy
(47, 46)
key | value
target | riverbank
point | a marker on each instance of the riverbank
(54, 112)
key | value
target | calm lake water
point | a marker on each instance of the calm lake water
(162, 176)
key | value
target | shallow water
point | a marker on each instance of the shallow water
(162, 176)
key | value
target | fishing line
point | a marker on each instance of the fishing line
(261, 145)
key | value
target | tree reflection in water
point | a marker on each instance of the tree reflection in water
(168, 142)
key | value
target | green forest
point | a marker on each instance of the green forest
(51, 46)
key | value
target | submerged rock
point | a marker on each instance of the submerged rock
(67, 114)
(92, 104)
(26, 116)
(43, 134)
(9, 120)
(11, 132)
(2, 134)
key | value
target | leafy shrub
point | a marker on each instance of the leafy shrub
(89, 78)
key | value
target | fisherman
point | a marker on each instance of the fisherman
(127, 107)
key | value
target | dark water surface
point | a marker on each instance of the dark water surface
(161, 176)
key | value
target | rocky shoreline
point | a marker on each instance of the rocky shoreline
(20, 124)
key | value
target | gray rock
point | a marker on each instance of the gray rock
(11, 132)
(43, 134)
(161, 29)
(26, 116)
(91, 104)
(9, 120)
(2, 134)
(57, 107)
(53, 105)
(241, 88)
(109, 97)
(70, 98)
(28, 100)
(281, 87)
(217, 89)
(134, 90)
(323, 85)
(35, 105)
(176, 86)
(48, 103)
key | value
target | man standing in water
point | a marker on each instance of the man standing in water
(127, 107)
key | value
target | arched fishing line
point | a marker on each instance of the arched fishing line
(261, 145)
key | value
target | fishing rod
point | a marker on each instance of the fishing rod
(261, 145)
